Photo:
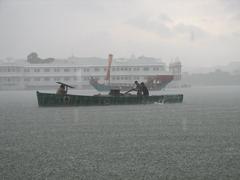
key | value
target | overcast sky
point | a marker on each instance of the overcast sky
(199, 32)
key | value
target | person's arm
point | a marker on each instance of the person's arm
(66, 90)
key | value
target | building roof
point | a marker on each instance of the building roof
(86, 61)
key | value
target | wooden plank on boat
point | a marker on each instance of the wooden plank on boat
(65, 84)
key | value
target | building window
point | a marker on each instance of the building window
(47, 70)
(57, 78)
(56, 70)
(36, 70)
(27, 79)
(146, 68)
(136, 78)
(37, 79)
(26, 70)
(66, 70)
(66, 78)
(86, 69)
(96, 69)
(46, 79)
(86, 78)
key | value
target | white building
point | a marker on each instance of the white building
(20, 74)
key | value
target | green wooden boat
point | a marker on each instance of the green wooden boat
(50, 99)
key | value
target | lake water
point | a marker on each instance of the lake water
(198, 139)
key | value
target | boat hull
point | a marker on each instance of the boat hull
(48, 99)
(153, 83)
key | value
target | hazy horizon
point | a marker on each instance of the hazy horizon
(201, 33)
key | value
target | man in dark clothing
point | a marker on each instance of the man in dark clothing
(61, 90)
(144, 89)
(138, 88)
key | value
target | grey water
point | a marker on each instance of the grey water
(198, 139)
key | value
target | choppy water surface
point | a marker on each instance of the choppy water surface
(198, 139)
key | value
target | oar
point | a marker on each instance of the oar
(129, 91)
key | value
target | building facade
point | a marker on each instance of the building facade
(77, 72)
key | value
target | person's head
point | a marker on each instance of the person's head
(142, 83)
(136, 82)
(61, 86)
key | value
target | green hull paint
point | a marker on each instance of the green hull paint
(47, 99)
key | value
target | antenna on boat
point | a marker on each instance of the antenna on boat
(107, 77)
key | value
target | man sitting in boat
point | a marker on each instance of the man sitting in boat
(138, 88)
(144, 89)
(61, 90)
